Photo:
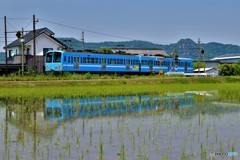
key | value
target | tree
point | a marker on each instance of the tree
(201, 65)
(106, 50)
(230, 69)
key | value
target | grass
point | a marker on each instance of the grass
(107, 90)
(40, 88)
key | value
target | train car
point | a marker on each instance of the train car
(62, 109)
(61, 61)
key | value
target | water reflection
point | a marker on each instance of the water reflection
(59, 109)
(68, 128)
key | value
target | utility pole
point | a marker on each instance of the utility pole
(22, 41)
(198, 55)
(5, 32)
(34, 43)
(82, 41)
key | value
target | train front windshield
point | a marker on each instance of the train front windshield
(53, 57)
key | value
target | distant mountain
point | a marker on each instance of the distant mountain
(185, 47)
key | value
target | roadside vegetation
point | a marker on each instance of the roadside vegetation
(85, 85)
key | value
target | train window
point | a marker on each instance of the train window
(57, 57)
(57, 113)
(76, 59)
(88, 60)
(157, 63)
(92, 60)
(112, 61)
(103, 60)
(127, 62)
(49, 112)
(96, 60)
(121, 61)
(64, 59)
(49, 57)
(84, 60)
(81, 60)
(118, 61)
(150, 62)
(144, 62)
(71, 59)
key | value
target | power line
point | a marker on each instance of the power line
(17, 18)
(30, 22)
(12, 26)
(85, 30)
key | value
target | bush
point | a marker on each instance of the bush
(88, 76)
(230, 69)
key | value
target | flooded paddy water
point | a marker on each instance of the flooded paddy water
(188, 125)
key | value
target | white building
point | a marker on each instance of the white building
(208, 71)
(227, 58)
(44, 41)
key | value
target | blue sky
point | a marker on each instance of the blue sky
(157, 21)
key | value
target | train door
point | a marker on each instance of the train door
(168, 64)
(186, 67)
(104, 67)
(76, 63)
(127, 64)
(140, 66)
(150, 65)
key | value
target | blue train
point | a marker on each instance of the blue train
(62, 109)
(59, 61)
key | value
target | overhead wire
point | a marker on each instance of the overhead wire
(12, 26)
(81, 29)
(72, 27)
(28, 25)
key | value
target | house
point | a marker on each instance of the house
(44, 41)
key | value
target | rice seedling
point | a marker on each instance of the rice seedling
(90, 136)
(77, 141)
(101, 148)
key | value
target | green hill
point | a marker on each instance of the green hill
(185, 47)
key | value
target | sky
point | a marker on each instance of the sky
(157, 21)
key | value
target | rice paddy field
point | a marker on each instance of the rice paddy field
(135, 119)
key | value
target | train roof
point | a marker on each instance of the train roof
(115, 54)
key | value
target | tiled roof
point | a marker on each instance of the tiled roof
(136, 51)
(71, 43)
(29, 36)
(227, 56)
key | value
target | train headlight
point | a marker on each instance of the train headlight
(58, 67)
(47, 68)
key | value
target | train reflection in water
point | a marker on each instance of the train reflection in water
(60, 109)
